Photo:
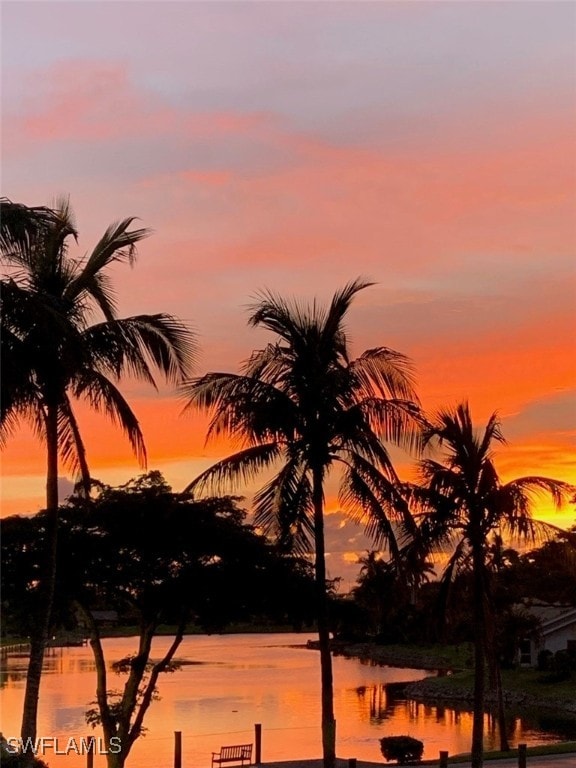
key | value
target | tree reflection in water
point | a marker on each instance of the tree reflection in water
(383, 702)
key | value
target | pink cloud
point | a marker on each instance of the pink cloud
(337, 204)
(87, 101)
(436, 210)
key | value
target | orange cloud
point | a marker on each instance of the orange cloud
(501, 370)
(167, 435)
(429, 216)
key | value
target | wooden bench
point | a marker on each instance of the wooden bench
(237, 753)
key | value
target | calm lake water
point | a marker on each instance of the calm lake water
(234, 681)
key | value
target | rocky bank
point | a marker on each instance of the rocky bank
(428, 690)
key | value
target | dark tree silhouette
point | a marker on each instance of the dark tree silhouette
(462, 501)
(546, 573)
(303, 403)
(52, 354)
(155, 557)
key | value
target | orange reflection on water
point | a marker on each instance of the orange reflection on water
(231, 682)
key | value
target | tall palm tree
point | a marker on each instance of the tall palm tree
(303, 404)
(463, 501)
(52, 354)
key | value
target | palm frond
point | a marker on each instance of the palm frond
(268, 364)
(283, 508)
(244, 408)
(102, 293)
(243, 465)
(440, 529)
(19, 401)
(35, 319)
(373, 500)
(49, 268)
(118, 243)
(535, 487)
(456, 564)
(355, 433)
(22, 227)
(512, 504)
(492, 432)
(451, 428)
(137, 344)
(394, 421)
(385, 372)
(440, 478)
(363, 506)
(104, 397)
(17, 381)
(528, 530)
(288, 320)
(339, 306)
(71, 445)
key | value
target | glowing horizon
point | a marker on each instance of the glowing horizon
(427, 146)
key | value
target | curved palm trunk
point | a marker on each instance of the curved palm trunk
(41, 629)
(477, 748)
(328, 721)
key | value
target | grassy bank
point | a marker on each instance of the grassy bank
(523, 682)
(13, 641)
(129, 630)
(441, 657)
(522, 687)
(562, 748)
(193, 629)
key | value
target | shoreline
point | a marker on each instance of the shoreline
(395, 656)
(430, 692)
(560, 760)
(565, 760)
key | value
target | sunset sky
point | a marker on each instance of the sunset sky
(429, 146)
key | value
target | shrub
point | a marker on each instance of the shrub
(8, 760)
(403, 749)
(563, 665)
(544, 660)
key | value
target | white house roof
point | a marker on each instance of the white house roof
(563, 620)
(552, 617)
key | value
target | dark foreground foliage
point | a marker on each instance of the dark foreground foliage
(403, 749)
(146, 556)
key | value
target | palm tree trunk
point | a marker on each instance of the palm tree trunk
(40, 631)
(328, 721)
(495, 673)
(502, 727)
(477, 748)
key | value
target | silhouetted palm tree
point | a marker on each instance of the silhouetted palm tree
(463, 501)
(302, 402)
(51, 355)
